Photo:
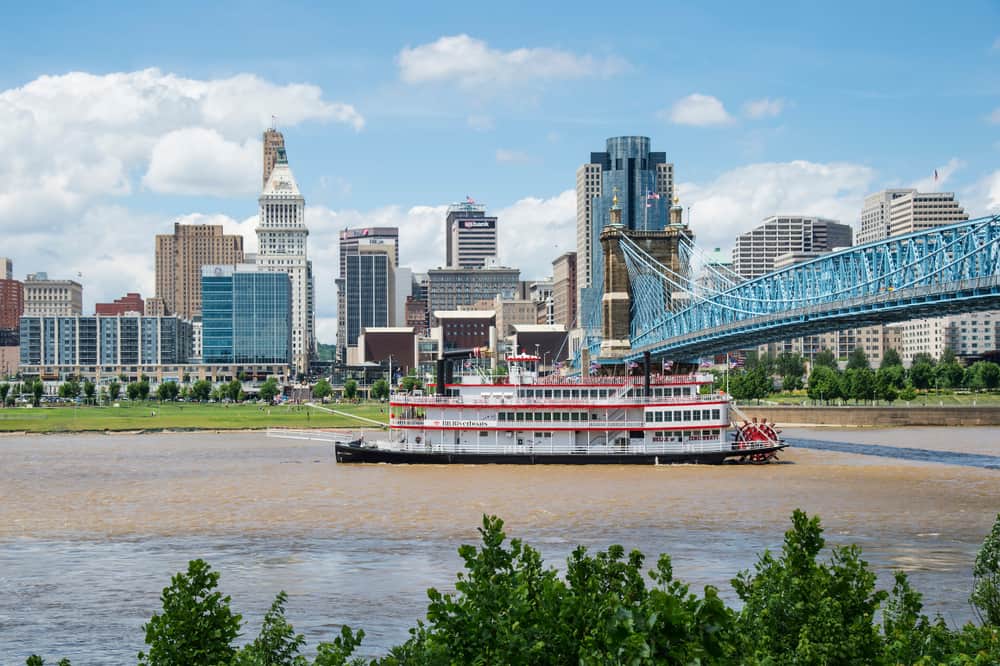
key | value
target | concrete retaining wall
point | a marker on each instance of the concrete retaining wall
(877, 416)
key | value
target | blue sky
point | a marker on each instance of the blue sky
(390, 111)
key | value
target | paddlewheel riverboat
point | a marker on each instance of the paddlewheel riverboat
(527, 419)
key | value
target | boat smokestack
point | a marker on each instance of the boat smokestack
(646, 390)
(439, 381)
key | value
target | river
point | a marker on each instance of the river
(92, 526)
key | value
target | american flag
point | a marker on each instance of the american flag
(668, 365)
(469, 200)
(706, 363)
(737, 362)
(633, 365)
(935, 175)
(653, 195)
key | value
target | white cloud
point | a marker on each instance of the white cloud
(739, 199)
(480, 123)
(200, 161)
(78, 136)
(764, 107)
(983, 196)
(698, 110)
(944, 173)
(995, 116)
(471, 63)
(505, 156)
(533, 231)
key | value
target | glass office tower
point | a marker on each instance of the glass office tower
(644, 183)
(246, 316)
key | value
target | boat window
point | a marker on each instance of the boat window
(547, 416)
(483, 433)
(715, 414)
(649, 417)
(687, 415)
(502, 416)
(668, 416)
(520, 416)
(659, 416)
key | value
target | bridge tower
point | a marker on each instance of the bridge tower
(616, 303)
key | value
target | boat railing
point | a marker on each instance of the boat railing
(513, 401)
(549, 447)
(471, 424)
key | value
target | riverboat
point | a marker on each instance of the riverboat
(524, 418)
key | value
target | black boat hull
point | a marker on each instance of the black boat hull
(355, 453)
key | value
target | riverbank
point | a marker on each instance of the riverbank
(183, 417)
(876, 417)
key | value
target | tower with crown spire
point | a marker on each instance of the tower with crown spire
(282, 238)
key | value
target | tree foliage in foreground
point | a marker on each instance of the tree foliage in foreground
(508, 608)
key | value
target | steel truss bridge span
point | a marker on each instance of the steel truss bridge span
(943, 270)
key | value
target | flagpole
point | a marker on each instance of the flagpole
(727, 373)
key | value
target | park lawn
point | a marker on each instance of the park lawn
(183, 416)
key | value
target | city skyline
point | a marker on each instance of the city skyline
(512, 113)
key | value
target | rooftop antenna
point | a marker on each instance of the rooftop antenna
(274, 121)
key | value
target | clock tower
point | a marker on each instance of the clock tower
(281, 247)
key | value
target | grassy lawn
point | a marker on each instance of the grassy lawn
(930, 399)
(153, 416)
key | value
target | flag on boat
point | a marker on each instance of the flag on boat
(706, 363)
(737, 362)
(469, 200)
(667, 365)
(935, 175)
(632, 365)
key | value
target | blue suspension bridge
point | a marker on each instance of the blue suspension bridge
(943, 270)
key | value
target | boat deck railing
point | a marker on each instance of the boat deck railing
(514, 401)
(509, 448)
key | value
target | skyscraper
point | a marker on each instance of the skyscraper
(6, 269)
(369, 288)
(44, 297)
(644, 183)
(282, 238)
(349, 240)
(874, 222)
(895, 212)
(470, 236)
(564, 290)
(179, 258)
(756, 250)
(273, 140)
(245, 316)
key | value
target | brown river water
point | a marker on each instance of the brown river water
(92, 526)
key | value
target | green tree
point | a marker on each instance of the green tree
(908, 393)
(231, 390)
(791, 382)
(201, 390)
(35, 660)
(114, 390)
(277, 644)
(132, 390)
(891, 359)
(269, 389)
(858, 359)
(380, 389)
(167, 391)
(824, 384)
(860, 384)
(143, 386)
(921, 373)
(983, 375)
(322, 389)
(196, 625)
(885, 383)
(410, 383)
(825, 358)
(350, 389)
(948, 374)
(797, 610)
(37, 390)
(89, 390)
(790, 364)
(986, 578)
(4, 392)
(754, 360)
(69, 389)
